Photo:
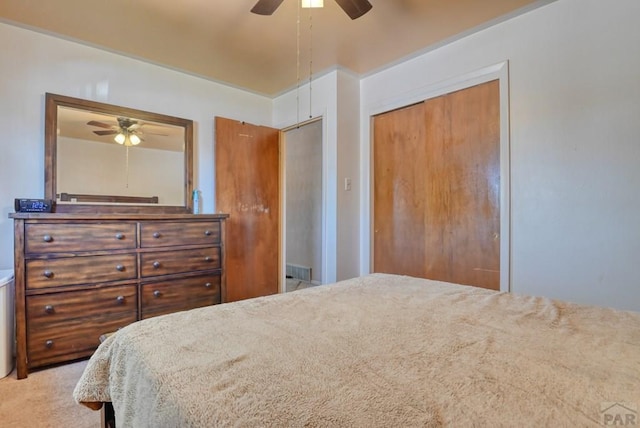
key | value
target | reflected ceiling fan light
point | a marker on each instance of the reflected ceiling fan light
(135, 140)
(312, 3)
(120, 138)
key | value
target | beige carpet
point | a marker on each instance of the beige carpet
(44, 400)
(297, 284)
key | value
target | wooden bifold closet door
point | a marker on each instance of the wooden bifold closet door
(436, 190)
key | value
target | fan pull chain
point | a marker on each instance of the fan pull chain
(310, 58)
(127, 168)
(298, 68)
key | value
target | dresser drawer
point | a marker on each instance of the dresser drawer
(160, 298)
(58, 238)
(179, 261)
(71, 339)
(59, 307)
(164, 234)
(42, 273)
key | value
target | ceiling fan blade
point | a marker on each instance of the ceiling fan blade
(105, 132)
(99, 124)
(266, 7)
(354, 8)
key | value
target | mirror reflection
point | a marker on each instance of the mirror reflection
(117, 159)
(103, 158)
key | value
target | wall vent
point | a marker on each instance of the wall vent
(302, 273)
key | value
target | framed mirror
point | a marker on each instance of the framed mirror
(102, 158)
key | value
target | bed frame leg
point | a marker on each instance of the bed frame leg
(108, 417)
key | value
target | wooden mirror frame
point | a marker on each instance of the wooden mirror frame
(53, 101)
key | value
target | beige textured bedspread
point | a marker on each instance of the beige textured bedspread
(376, 351)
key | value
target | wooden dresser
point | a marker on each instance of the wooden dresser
(78, 276)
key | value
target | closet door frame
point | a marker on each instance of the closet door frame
(498, 72)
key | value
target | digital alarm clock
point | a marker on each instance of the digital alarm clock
(33, 205)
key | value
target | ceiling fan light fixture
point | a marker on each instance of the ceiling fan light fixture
(354, 8)
(135, 140)
(120, 138)
(307, 4)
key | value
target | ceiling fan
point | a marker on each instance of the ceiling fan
(123, 123)
(354, 8)
(128, 131)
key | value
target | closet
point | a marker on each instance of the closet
(436, 188)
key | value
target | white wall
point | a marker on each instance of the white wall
(32, 64)
(574, 70)
(348, 142)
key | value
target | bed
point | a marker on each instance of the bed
(376, 351)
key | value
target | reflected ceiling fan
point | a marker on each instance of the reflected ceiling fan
(354, 8)
(128, 132)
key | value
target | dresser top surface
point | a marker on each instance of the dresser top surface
(108, 216)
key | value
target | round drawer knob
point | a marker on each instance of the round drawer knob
(156, 235)
(156, 265)
(120, 236)
(48, 344)
(207, 232)
(49, 309)
(47, 238)
(120, 268)
(48, 274)
(120, 300)
(208, 259)
(157, 293)
(208, 285)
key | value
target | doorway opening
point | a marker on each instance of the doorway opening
(303, 205)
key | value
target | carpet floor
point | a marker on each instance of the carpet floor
(297, 284)
(44, 399)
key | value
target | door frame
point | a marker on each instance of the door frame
(325, 267)
(498, 72)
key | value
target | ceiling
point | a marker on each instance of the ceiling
(222, 41)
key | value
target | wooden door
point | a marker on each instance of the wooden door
(247, 188)
(399, 191)
(437, 188)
